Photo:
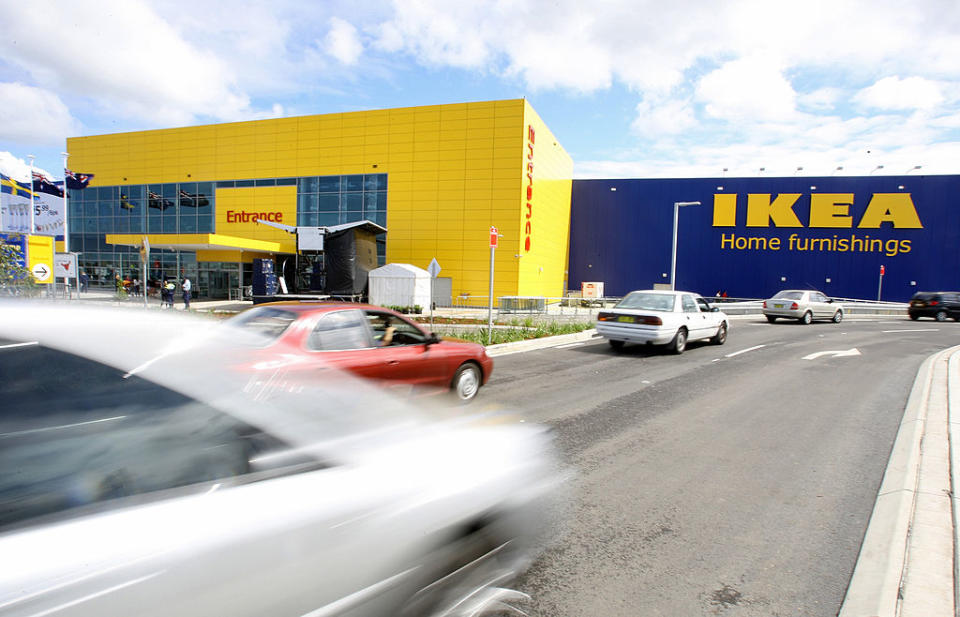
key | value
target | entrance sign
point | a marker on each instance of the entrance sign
(494, 237)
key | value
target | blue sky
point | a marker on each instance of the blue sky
(631, 88)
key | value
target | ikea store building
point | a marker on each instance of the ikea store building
(429, 182)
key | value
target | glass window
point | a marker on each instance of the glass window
(104, 208)
(689, 304)
(328, 202)
(188, 222)
(168, 224)
(351, 217)
(269, 322)
(388, 329)
(286, 181)
(353, 202)
(266, 182)
(103, 192)
(375, 182)
(353, 183)
(328, 184)
(307, 202)
(226, 184)
(307, 185)
(117, 436)
(205, 223)
(242, 183)
(154, 222)
(168, 191)
(340, 330)
(379, 217)
(307, 220)
(375, 201)
(647, 301)
(327, 219)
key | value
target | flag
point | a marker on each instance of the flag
(186, 199)
(42, 184)
(76, 180)
(155, 201)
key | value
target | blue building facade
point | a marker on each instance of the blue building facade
(752, 237)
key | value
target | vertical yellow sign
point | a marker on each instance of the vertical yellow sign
(40, 258)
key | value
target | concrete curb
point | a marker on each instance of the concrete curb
(504, 349)
(900, 569)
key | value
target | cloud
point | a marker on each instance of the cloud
(32, 115)
(19, 169)
(660, 118)
(748, 88)
(895, 93)
(342, 41)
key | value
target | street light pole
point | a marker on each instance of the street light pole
(673, 255)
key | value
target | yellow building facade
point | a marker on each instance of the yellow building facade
(451, 172)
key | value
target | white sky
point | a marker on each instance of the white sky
(631, 88)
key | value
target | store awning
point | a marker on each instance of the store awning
(196, 242)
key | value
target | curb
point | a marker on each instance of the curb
(504, 349)
(897, 571)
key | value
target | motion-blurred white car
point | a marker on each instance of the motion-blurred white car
(147, 469)
(658, 317)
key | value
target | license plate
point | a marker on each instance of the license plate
(625, 318)
(778, 306)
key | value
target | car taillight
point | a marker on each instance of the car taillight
(794, 306)
(605, 317)
(934, 303)
(764, 304)
(652, 321)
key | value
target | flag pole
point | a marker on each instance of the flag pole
(66, 225)
(30, 184)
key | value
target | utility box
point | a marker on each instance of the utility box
(591, 290)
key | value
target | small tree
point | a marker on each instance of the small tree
(15, 279)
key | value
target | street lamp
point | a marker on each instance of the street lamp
(673, 256)
(839, 168)
(878, 167)
(915, 167)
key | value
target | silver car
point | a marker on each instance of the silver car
(803, 305)
(150, 465)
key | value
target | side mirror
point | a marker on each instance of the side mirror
(432, 339)
(829, 300)
(714, 309)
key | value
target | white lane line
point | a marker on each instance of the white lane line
(19, 345)
(569, 345)
(737, 353)
(835, 354)
(912, 330)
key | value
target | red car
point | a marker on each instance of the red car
(372, 342)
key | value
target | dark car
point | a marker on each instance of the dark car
(937, 304)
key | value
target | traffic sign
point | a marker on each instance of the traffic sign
(65, 265)
(41, 271)
(433, 268)
(494, 237)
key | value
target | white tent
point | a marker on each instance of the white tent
(400, 285)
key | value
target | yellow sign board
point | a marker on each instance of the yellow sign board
(40, 258)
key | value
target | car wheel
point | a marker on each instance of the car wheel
(940, 316)
(771, 318)
(914, 317)
(721, 336)
(617, 345)
(838, 317)
(679, 342)
(466, 382)
(807, 318)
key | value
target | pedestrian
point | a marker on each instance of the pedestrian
(186, 287)
(84, 281)
(136, 287)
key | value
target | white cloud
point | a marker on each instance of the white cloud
(19, 169)
(343, 42)
(32, 115)
(748, 89)
(895, 93)
(663, 118)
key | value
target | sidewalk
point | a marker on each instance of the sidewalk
(908, 561)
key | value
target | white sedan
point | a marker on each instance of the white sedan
(156, 465)
(655, 317)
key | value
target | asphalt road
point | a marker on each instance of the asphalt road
(733, 480)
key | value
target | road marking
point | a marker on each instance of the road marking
(569, 345)
(912, 330)
(737, 353)
(835, 354)
(19, 345)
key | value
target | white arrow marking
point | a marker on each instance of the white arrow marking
(835, 354)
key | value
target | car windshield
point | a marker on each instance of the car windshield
(789, 295)
(647, 301)
(268, 322)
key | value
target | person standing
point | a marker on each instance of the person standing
(84, 281)
(186, 287)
